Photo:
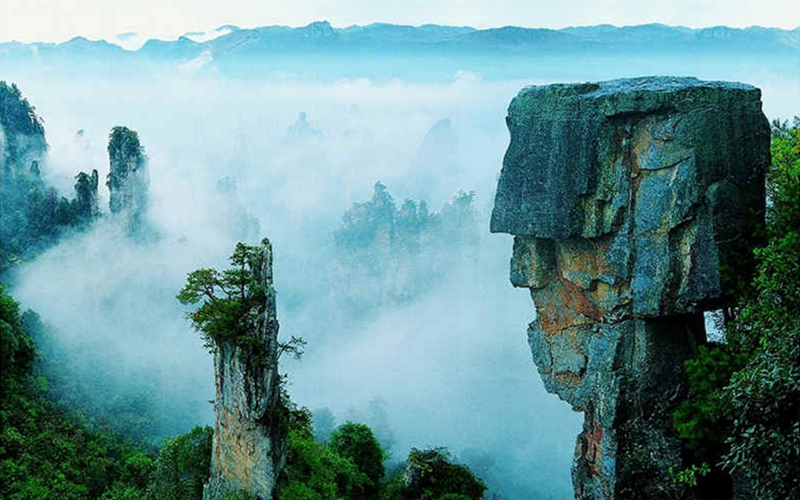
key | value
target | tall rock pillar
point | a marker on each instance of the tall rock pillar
(626, 199)
(248, 446)
(128, 180)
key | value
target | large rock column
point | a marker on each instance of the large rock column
(248, 447)
(628, 199)
(128, 179)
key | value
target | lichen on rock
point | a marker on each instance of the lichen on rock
(626, 199)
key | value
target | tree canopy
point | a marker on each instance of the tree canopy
(229, 300)
(743, 413)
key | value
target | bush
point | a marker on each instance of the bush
(183, 466)
(765, 395)
(431, 475)
(355, 442)
(314, 471)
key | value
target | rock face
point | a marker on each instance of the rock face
(128, 180)
(247, 449)
(627, 198)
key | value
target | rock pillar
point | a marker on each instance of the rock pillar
(248, 446)
(628, 200)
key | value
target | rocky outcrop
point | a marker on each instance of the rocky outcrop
(390, 255)
(86, 203)
(128, 180)
(34, 214)
(248, 447)
(22, 141)
(627, 199)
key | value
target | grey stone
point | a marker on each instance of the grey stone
(626, 198)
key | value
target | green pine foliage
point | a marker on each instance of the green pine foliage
(229, 299)
(743, 413)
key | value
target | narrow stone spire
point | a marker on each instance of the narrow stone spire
(248, 446)
(128, 179)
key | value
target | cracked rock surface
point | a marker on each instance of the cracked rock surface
(628, 199)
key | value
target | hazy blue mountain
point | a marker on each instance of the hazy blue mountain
(667, 38)
(388, 49)
(180, 50)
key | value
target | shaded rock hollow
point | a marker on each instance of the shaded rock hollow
(627, 199)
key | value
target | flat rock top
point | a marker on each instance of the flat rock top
(625, 95)
(624, 86)
(564, 135)
(641, 84)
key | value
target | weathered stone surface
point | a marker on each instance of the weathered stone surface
(248, 448)
(128, 179)
(626, 198)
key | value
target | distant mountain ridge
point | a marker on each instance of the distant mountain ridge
(434, 34)
(231, 47)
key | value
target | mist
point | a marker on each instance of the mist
(230, 160)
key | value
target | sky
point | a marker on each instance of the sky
(60, 20)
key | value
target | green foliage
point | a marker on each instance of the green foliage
(744, 401)
(704, 419)
(122, 491)
(19, 117)
(182, 466)
(230, 299)
(356, 443)
(125, 142)
(137, 469)
(16, 346)
(765, 394)
(46, 453)
(33, 214)
(231, 305)
(690, 475)
(315, 471)
(431, 475)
